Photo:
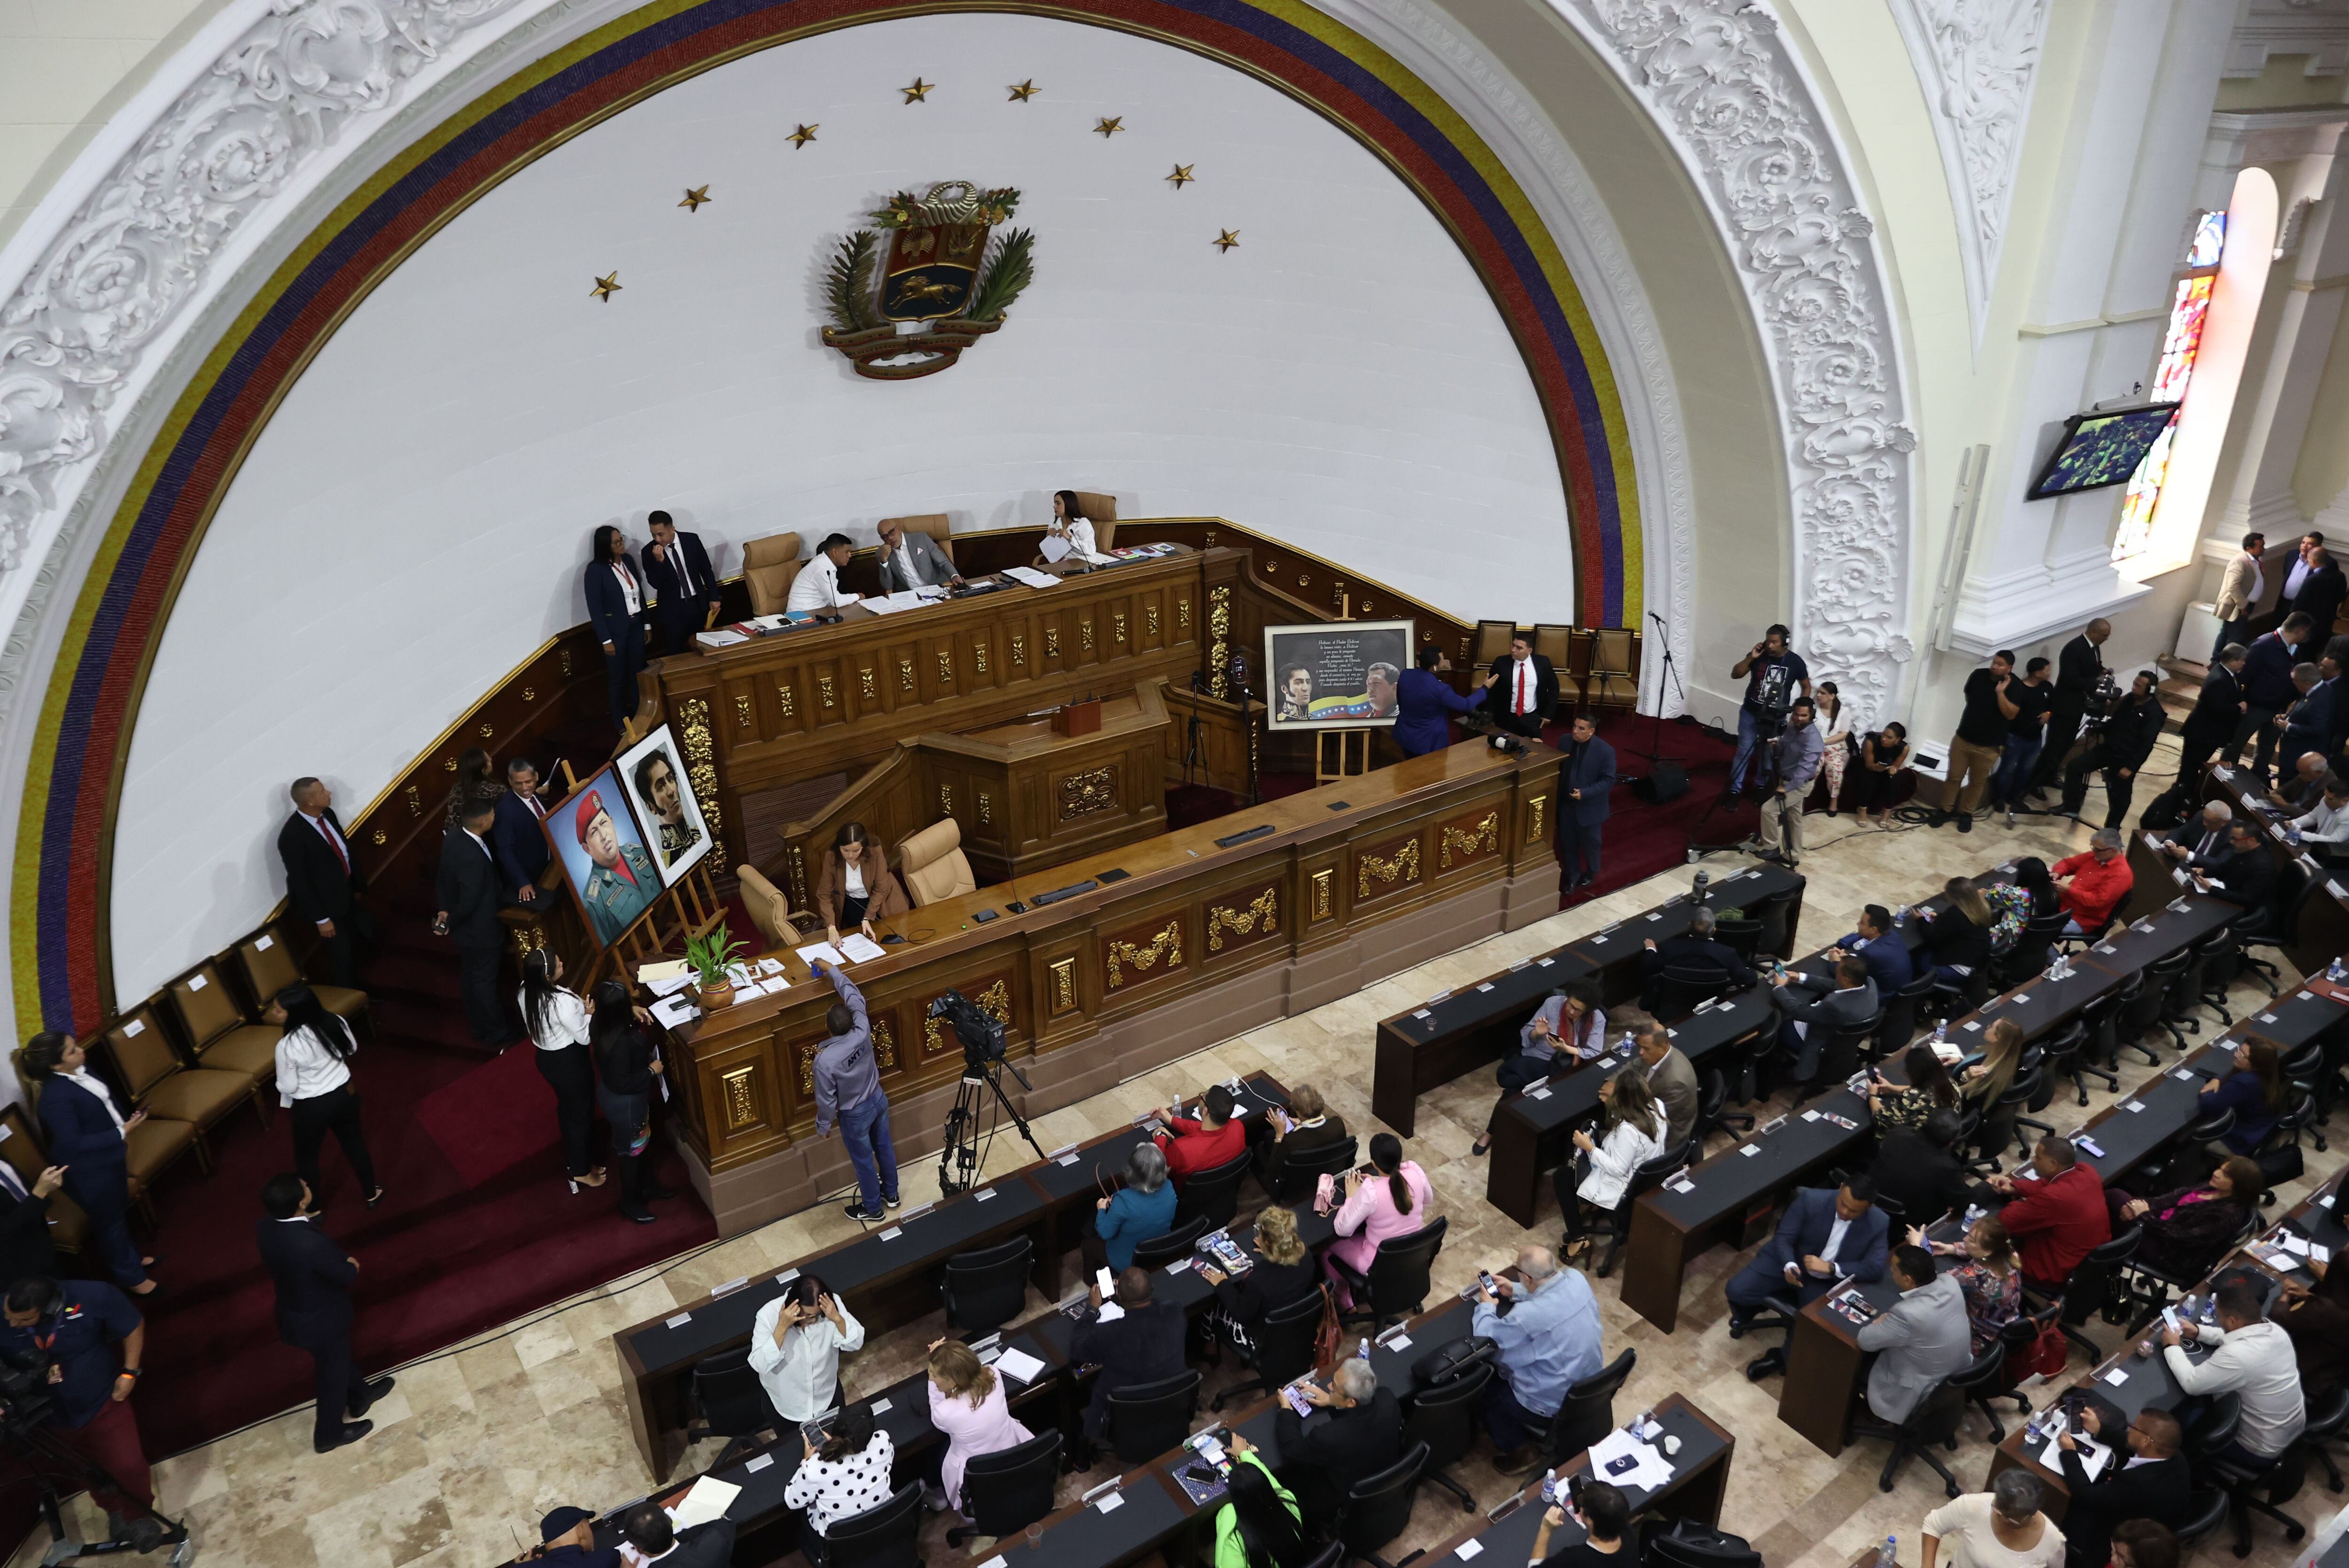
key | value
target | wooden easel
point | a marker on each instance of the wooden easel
(1340, 754)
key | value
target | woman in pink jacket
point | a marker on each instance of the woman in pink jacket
(1388, 1198)
(967, 1404)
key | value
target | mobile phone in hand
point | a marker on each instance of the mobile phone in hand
(1485, 1278)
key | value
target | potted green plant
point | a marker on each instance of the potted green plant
(710, 953)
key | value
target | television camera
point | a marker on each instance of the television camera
(984, 1063)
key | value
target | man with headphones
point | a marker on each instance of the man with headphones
(67, 1333)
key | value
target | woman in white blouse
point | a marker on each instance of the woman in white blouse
(314, 1083)
(1834, 723)
(1630, 1132)
(556, 1019)
(848, 1474)
(795, 1346)
(1070, 526)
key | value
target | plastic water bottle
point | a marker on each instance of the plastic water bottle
(1703, 881)
(1887, 1554)
(1362, 1347)
(1941, 1032)
(2332, 972)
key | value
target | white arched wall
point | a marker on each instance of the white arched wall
(424, 492)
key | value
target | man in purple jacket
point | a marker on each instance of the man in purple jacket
(848, 1090)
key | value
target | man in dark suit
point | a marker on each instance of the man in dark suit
(2245, 874)
(2321, 593)
(2079, 666)
(1584, 781)
(1695, 952)
(515, 837)
(2219, 708)
(313, 1278)
(469, 914)
(1919, 1169)
(1880, 947)
(911, 558)
(1524, 690)
(1356, 1431)
(1810, 1009)
(323, 880)
(1142, 1345)
(2307, 724)
(678, 570)
(1824, 1236)
(648, 1530)
(25, 1249)
(2200, 836)
(2148, 1479)
(2267, 688)
(615, 608)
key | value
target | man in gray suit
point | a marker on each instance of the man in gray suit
(1673, 1081)
(911, 559)
(1810, 1009)
(1922, 1338)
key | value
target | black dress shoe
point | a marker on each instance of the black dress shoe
(374, 1391)
(639, 1213)
(352, 1432)
(656, 1192)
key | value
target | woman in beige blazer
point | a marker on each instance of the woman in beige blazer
(853, 887)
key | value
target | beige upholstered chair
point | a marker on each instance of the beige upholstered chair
(931, 865)
(771, 910)
(1614, 667)
(68, 1226)
(1101, 511)
(201, 1097)
(269, 969)
(218, 1031)
(938, 525)
(1493, 640)
(768, 565)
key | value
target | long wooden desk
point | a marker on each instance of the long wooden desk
(2320, 919)
(1461, 1030)
(1192, 942)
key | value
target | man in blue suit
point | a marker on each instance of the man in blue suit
(1584, 782)
(1823, 1237)
(2309, 724)
(678, 571)
(1425, 706)
(517, 839)
(1879, 947)
(2268, 690)
(615, 608)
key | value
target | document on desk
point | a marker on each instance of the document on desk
(1019, 1365)
(2094, 1455)
(673, 1011)
(1029, 576)
(824, 951)
(1647, 1468)
(707, 1501)
(890, 604)
(857, 948)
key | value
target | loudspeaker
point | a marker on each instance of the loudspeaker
(1667, 781)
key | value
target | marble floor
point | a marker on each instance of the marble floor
(477, 1440)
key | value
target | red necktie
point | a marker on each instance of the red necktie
(1524, 670)
(537, 810)
(336, 844)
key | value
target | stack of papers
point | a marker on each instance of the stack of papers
(2094, 1455)
(856, 948)
(1019, 1365)
(705, 1501)
(675, 1010)
(721, 638)
(1649, 1471)
(823, 951)
(667, 969)
(1031, 576)
(890, 604)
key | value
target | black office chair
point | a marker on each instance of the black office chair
(2251, 1490)
(886, 1535)
(1148, 1419)
(1684, 1544)
(1774, 913)
(1587, 1414)
(1743, 937)
(1898, 1029)
(2221, 958)
(2091, 1283)
(2149, 1288)
(726, 1400)
(1397, 1281)
(1300, 1174)
(1681, 987)
(2206, 1509)
(2178, 979)
(1378, 1508)
(2304, 1069)
(1214, 1194)
(2140, 1012)
(1777, 1312)
(1646, 1177)
(2277, 927)
(2067, 1057)
(1172, 1247)
(1443, 1420)
(1933, 1421)
(1712, 1112)
(985, 1289)
(1284, 1346)
(1006, 1492)
(2017, 1341)
(2326, 1416)
(1996, 1131)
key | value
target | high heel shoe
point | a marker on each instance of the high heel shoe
(375, 1197)
(593, 1178)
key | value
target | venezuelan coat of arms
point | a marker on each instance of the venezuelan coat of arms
(935, 278)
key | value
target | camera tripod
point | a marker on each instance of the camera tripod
(958, 1161)
(1768, 726)
(46, 1458)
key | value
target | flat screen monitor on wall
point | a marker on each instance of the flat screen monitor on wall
(1335, 673)
(2101, 448)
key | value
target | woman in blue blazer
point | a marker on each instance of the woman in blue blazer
(85, 1125)
(1425, 706)
(612, 582)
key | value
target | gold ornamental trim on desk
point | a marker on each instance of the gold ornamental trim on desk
(1536, 809)
(1064, 985)
(738, 1092)
(1482, 838)
(1219, 642)
(1243, 921)
(701, 768)
(1322, 888)
(1389, 871)
(1088, 793)
(1166, 945)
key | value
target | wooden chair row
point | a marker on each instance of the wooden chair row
(1597, 667)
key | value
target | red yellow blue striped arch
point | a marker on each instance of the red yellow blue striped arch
(60, 893)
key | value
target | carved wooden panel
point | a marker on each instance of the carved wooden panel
(1465, 839)
(1242, 916)
(1086, 794)
(1154, 950)
(1537, 819)
(1386, 868)
(1061, 988)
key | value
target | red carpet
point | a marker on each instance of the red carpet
(499, 1115)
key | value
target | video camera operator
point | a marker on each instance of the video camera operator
(2121, 733)
(2079, 672)
(64, 1334)
(1774, 677)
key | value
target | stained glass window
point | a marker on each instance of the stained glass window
(2188, 309)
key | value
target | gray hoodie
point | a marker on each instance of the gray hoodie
(846, 1074)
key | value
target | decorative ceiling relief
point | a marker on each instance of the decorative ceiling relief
(1729, 90)
(1977, 60)
(910, 308)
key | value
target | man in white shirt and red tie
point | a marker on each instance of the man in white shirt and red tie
(517, 839)
(323, 880)
(1524, 690)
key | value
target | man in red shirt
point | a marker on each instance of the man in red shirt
(2058, 1219)
(2101, 879)
(1215, 1138)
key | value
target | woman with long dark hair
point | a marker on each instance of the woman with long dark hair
(86, 1127)
(855, 887)
(476, 781)
(313, 1084)
(1070, 526)
(1882, 756)
(1391, 1196)
(1260, 1525)
(844, 1476)
(556, 1021)
(1630, 1132)
(615, 609)
(1832, 721)
(1928, 1090)
(625, 1069)
(2186, 1231)
(2254, 1092)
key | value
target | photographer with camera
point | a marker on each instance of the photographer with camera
(2118, 744)
(848, 1090)
(2079, 674)
(1774, 675)
(59, 1339)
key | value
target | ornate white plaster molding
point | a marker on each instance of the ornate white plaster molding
(1977, 60)
(1735, 100)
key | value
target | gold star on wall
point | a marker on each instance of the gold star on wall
(1182, 176)
(1109, 128)
(606, 286)
(801, 136)
(1025, 90)
(919, 92)
(1228, 238)
(696, 198)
